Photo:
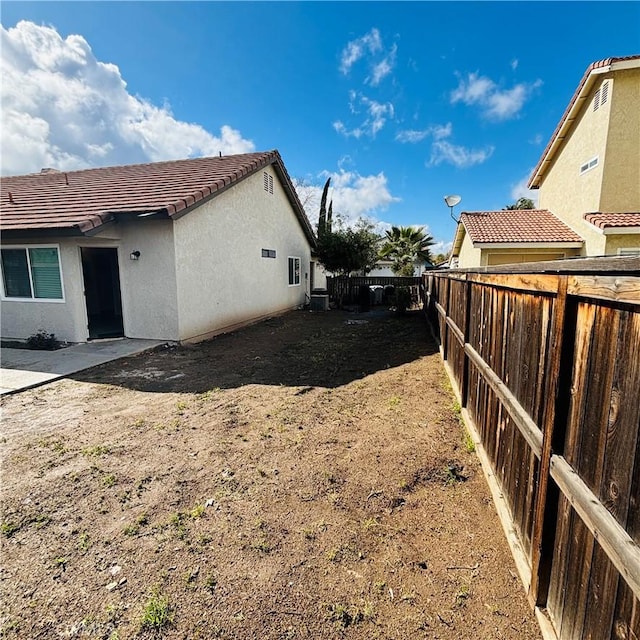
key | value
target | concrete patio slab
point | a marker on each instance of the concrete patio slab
(25, 368)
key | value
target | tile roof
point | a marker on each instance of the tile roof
(566, 119)
(608, 220)
(516, 226)
(78, 202)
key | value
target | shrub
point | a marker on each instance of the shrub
(402, 299)
(43, 340)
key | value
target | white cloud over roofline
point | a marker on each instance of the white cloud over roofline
(354, 196)
(63, 108)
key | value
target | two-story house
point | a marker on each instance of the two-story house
(588, 179)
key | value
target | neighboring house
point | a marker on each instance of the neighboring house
(588, 179)
(385, 268)
(504, 237)
(177, 251)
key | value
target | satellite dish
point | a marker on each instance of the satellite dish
(452, 201)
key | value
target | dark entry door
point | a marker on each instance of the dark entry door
(102, 292)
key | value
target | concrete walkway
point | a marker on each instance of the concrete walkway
(25, 368)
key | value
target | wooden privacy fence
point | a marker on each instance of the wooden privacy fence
(347, 288)
(546, 361)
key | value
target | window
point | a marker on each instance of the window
(628, 251)
(31, 272)
(294, 271)
(268, 182)
(587, 166)
(268, 253)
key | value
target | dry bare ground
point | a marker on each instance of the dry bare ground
(302, 478)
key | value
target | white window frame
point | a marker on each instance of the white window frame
(629, 251)
(589, 164)
(296, 272)
(32, 298)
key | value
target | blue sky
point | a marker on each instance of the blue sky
(400, 103)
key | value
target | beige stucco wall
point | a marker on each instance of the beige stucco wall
(612, 133)
(622, 241)
(516, 256)
(621, 178)
(469, 256)
(567, 193)
(222, 280)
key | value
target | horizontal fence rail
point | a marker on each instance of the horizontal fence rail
(546, 361)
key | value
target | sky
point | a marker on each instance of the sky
(399, 103)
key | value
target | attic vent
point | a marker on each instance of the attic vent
(268, 182)
(596, 100)
(605, 92)
(587, 166)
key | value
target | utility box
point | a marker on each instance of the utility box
(319, 302)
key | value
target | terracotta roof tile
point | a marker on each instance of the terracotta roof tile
(80, 201)
(517, 225)
(607, 220)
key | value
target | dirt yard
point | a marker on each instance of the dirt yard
(306, 477)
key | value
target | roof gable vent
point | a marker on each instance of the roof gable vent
(596, 100)
(268, 182)
(605, 92)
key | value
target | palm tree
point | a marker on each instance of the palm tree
(405, 246)
(522, 203)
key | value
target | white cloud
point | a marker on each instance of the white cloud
(383, 68)
(438, 132)
(520, 190)
(354, 196)
(496, 103)
(63, 108)
(461, 157)
(356, 49)
(369, 47)
(514, 64)
(376, 116)
(412, 135)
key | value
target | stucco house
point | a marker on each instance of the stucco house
(486, 238)
(588, 178)
(178, 250)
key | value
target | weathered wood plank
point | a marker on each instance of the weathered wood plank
(625, 289)
(626, 618)
(526, 425)
(527, 283)
(546, 503)
(623, 552)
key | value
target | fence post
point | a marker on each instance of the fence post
(464, 382)
(547, 495)
(444, 338)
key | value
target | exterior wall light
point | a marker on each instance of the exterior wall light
(134, 255)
